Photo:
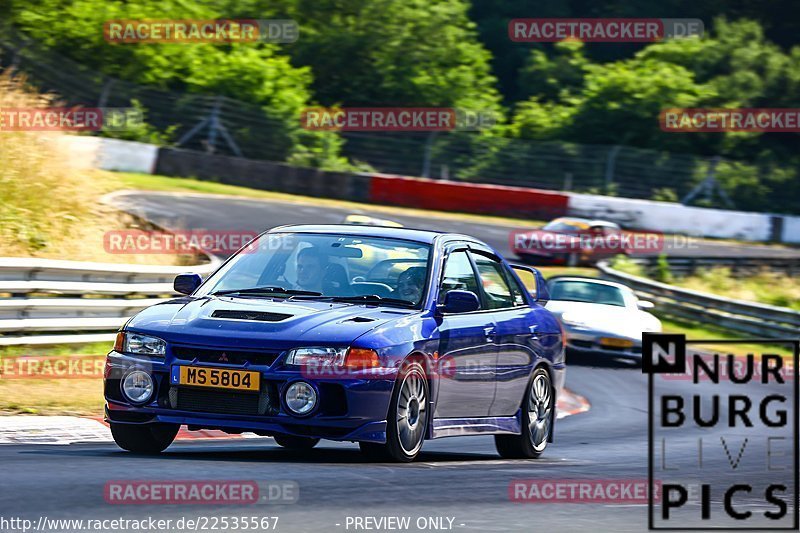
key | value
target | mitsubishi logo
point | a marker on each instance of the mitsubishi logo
(223, 357)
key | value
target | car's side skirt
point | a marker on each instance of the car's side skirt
(456, 427)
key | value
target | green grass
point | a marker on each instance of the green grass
(552, 271)
(62, 350)
(700, 331)
(766, 287)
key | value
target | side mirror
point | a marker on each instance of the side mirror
(644, 304)
(534, 282)
(458, 301)
(187, 283)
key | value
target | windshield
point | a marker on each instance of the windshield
(303, 265)
(586, 291)
(566, 225)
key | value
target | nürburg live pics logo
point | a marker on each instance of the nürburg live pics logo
(722, 433)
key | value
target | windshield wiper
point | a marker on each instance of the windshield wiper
(373, 298)
(266, 290)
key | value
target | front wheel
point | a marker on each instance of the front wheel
(537, 421)
(295, 443)
(407, 420)
(144, 438)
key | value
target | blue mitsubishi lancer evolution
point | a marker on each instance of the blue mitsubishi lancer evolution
(382, 336)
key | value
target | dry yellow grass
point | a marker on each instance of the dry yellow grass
(52, 397)
(41, 199)
(49, 194)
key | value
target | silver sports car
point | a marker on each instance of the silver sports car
(601, 316)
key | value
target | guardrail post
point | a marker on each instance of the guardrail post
(610, 166)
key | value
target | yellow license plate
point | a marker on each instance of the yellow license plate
(220, 378)
(617, 343)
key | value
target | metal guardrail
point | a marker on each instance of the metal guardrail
(33, 269)
(739, 266)
(88, 314)
(749, 318)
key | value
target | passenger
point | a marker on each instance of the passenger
(410, 284)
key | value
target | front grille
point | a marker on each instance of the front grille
(219, 402)
(582, 344)
(233, 357)
(249, 315)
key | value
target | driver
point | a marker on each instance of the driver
(410, 283)
(311, 264)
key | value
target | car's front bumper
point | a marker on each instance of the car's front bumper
(591, 341)
(349, 408)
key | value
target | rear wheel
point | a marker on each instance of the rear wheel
(292, 442)
(537, 421)
(144, 438)
(407, 420)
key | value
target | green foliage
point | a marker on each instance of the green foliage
(766, 287)
(142, 131)
(619, 103)
(664, 194)
(623, 263)
(555, 78)
(255, 73)
(394, 53)
(663, 272)
(576, 100)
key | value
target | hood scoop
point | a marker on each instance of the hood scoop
(260, 316)
(359, 319)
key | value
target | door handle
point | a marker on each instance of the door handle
(491, 333)
(532, 329)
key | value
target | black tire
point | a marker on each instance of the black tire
(410, 402)
(523, 446)
(144, 438)
(292, 442)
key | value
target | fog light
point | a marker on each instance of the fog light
(137, 386)
(301, 398)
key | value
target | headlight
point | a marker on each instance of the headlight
(138, 386)
(134, 343)
(300, 398)
(324, 356)
(572, 319)
(316, 356)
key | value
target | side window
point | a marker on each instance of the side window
(516, 289)
(494, 282)
(458, 274)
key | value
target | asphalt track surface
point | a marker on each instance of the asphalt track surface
(220, 213)
(459, 478)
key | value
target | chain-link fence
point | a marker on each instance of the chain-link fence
(224, 125)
